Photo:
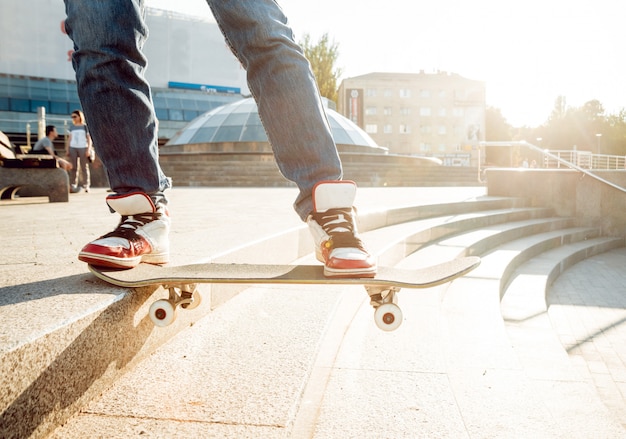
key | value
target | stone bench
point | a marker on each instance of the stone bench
(51, 182)
(31, 175)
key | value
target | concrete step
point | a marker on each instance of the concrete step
(419, 234)
(88, 342)
(479, 241)
(455, 361)
(501, 262)
(524, 298)
(93, 347)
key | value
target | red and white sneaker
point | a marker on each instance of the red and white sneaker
(141, 236)
(334, 231)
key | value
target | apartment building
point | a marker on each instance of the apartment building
(426, 114)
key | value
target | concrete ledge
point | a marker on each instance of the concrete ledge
(72, 363)
(97, 345)
(569, 192)
(51, 182)
(106, 339)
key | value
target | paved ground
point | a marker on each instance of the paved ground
(588, 312)
(278, 362)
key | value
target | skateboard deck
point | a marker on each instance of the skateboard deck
(181, 281)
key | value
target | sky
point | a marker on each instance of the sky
(527, 52)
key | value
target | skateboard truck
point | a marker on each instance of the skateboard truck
(384, 300)
(163, 311)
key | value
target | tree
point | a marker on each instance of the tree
(497, 129)
(496, 126)
(323, 57)
(615, 134)
(570, 127)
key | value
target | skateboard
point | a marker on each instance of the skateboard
(181, 282)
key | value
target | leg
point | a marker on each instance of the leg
(64, 164)
(285, 90)
(84, 168)
(74, 163)
(291, 109)
(108, 38)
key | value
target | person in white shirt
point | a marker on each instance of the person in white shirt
(79, 151)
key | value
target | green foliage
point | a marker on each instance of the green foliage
(496, 126)
(587, 128)
(323, 56)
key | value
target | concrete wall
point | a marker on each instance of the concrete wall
(568, 192)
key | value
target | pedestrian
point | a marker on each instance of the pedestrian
(79, 150)
(45, 145)
(110, 68)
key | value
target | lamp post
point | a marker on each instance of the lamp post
(598, 136)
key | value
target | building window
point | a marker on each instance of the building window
(424, 94)
(442, 112)
(425, 129)
(458, 112)
(387, 129)
(405, 111)
(425, 147)
(370, 92)
(387, 93)
(371, 128)
(425, 111)
(442, 130)
(370, 111)
(176, 114)
(405, 129)
(387, 111)
(405, 93)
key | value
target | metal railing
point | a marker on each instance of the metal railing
(580, 161)
(587, 160)
(39, 124)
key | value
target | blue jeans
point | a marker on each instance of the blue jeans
(109, 63)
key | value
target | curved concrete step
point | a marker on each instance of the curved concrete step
(99, 344)
(525, 295)
(502, 261)
(482, 240)
(414, 235)
(91, 347)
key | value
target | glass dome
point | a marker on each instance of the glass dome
(240, 122)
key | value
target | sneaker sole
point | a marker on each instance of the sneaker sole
(353, 273)
(124, 263)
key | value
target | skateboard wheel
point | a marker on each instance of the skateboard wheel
(162, 313)
(388, 317)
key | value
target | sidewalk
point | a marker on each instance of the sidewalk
(309, 362)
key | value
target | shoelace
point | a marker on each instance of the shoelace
(339, 225)
(129, 223)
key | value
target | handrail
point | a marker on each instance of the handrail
(551, 156)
